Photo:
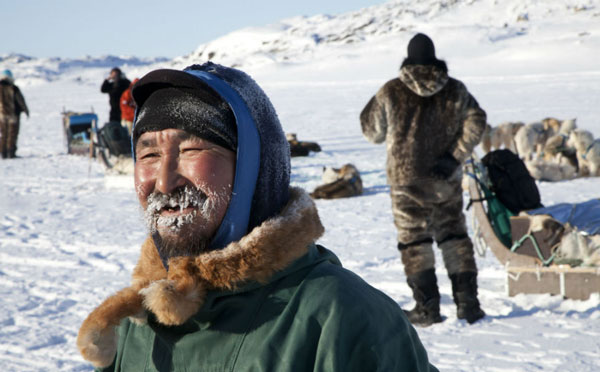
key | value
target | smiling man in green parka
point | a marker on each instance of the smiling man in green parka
(212, 173)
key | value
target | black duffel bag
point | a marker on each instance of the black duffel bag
(511, 181)
(116, 138)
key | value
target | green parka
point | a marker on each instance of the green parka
(312, 316)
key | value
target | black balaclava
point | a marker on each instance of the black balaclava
(421, 50)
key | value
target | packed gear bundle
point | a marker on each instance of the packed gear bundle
(552, 250)
(512, 183)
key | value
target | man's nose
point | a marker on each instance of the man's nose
(169, 178)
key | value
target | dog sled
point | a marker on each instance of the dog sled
(528, 257)
(111, 143)
(79, 131)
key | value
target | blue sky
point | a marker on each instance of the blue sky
(169, 28)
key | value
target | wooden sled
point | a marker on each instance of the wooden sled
(526, 274)
(80, 130)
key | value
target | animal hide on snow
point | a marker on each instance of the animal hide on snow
(339, 183)
(301, 148)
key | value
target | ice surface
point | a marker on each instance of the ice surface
(70, 235)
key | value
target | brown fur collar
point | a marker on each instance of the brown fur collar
(177, 295)
(424, 80)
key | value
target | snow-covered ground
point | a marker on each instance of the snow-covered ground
(70, 234)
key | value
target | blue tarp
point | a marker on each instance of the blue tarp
(585, 216)
(82, 119)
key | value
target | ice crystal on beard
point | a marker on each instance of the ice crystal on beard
(176, 222)
(180, 198)
(205, 205)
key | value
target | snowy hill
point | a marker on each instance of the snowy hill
(70, 233)
(490, 23)
(470, 33)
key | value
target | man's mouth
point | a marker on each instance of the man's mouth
(174, 211)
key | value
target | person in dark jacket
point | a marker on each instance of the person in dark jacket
(115, 85)
(12, 104)
(230, 277)
(431, 124)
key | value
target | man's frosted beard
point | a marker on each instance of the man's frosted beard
(181, 239)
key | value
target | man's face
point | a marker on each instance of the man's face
(114, 75)
(184, 185)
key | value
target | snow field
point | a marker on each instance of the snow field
(70, 234)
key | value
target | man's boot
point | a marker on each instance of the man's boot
(12, 153)
(425, 292)
(464, 291)
(4, 154)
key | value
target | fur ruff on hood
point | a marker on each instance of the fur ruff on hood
(424, 80)
(176, 296)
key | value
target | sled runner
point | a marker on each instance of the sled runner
(527, 257)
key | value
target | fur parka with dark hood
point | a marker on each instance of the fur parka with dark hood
(422, 115)
(269, 301)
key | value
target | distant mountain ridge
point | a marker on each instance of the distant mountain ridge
(299, 39)
(48, 69)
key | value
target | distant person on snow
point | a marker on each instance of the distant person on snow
(431, 124)
(115, 85)
(128, 107)
(12, 103)
(230, 277)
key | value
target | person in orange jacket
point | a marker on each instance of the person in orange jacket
(127, 105)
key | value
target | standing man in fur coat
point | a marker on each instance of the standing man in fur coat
(12, 104)
(431, 124)
(230, 277)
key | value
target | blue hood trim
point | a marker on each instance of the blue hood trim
(235, 223)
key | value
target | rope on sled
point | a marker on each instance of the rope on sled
(519, 242)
